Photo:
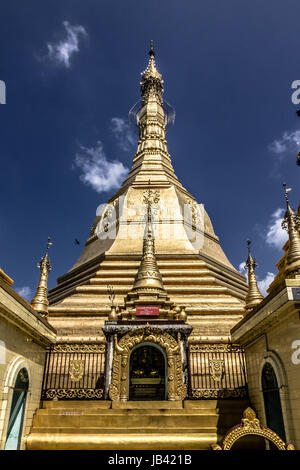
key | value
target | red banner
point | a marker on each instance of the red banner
(147, 311)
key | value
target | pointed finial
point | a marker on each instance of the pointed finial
(248, 244)
(151, 51)
(286, 191)
(148, 277)
(40, 302)
(254, 296)
(290, 223)
(152, 82)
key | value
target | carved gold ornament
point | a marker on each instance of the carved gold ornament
(251, 426)
(215, 347)
(86, 348)
(76, 369)
(221, 393)
(120, 375)
(70, 393)
(216, 367)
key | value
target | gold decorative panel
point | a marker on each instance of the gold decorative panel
(76, 370)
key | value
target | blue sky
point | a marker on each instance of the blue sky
(72, 72)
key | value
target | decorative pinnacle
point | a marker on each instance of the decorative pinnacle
(286, 191)
(45, 261)
(254, 296)
(250, 262)
(151, 52)
(148, 278)
(152, 82)
(40, 301)
(291, 223)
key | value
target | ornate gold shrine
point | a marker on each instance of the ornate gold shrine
(119, 387)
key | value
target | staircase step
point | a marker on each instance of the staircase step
(124, 420)
(134, 441)
(129, 430)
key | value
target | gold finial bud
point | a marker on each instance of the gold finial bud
(254, 296)
(40, 302)
(291, 224)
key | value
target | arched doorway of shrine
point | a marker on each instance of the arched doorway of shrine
(17, 411)
(147, 373)
(272, 400)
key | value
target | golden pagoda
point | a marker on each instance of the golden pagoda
(144, 358)
(195, 270)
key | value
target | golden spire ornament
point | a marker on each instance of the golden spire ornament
(148, 277)
(152, 82)
(254, 296)
(40, 302)
(291, 224)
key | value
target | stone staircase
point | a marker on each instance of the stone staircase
(160, 425)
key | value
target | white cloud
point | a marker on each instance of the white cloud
(99, 173)
(62, 52)
(25, 292)
(264, 283)
(276, 236)
(242, 268)
(124, 136)
(290, 141)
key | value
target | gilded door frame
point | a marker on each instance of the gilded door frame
(119, 387)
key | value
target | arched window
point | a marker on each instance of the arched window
(272, 401)
(16, 417)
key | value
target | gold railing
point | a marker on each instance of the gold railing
(74, 372)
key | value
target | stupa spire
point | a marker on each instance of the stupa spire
(151, 114)
(148, 277)
(254, 296)
(40, 301)
(152, 82)
(290, 223)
